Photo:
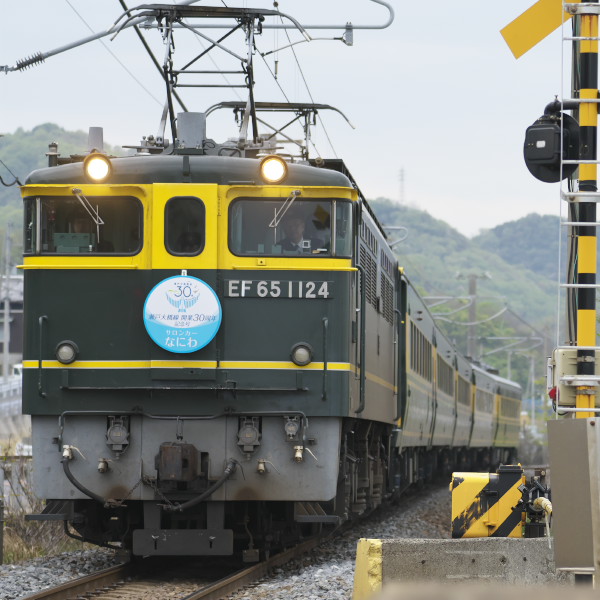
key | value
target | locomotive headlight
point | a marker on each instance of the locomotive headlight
(66, 352)
(301, 354)
(273, 169)
(97, 167)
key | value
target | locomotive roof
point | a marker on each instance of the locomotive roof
(220, 170)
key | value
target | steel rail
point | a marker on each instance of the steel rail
(240, 579)
(109, 580)
(90, 583)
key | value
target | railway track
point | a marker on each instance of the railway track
(139, 581)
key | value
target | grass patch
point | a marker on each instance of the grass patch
(24, 540)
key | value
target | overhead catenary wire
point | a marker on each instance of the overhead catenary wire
(274, 78)
(127, 70)
(500, 312)
(16, 179)
(151, 54)
(308, 90)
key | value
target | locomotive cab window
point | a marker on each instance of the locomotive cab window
(76, 225)
(301, 228)
(184, 226)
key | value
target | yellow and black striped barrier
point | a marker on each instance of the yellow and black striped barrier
(586, 230)
(487, 504)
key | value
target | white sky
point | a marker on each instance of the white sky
(437, 94)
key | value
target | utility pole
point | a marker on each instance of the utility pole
(6, 300)
(401, 180)
(532, 391)
(472, 331)
(472, 335)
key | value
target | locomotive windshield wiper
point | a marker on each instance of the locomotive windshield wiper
(280, 213)
(93, 212)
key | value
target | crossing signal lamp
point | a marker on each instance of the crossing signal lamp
(554, 137)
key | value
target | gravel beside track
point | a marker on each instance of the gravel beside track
(326, 573)
(23, 579)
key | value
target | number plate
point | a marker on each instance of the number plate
(254, 288)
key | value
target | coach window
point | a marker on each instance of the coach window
(78, 224)
(184, 226)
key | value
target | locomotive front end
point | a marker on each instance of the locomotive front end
(188, 350)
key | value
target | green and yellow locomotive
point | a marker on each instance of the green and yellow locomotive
(221, 352)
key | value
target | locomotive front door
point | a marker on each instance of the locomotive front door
(182, 311)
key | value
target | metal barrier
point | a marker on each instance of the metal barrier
(12, 387)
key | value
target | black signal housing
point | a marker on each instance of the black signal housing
(550, 138)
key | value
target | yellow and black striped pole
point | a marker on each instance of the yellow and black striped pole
(586, 234)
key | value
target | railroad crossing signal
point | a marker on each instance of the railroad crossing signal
(537, 22)
(554, 137)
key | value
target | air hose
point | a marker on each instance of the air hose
(67, 456)
(227, 473)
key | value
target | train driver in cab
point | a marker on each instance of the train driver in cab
(294, 240)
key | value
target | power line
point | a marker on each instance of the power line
(116, 57)
(308, 90)
(16, 181)
(150, 53)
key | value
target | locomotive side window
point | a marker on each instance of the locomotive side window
(29, 226)
(77, 225)
(277, 227)
(343, 229)
(184, 226)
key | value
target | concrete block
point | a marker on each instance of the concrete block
(478, 591)
(503, 560)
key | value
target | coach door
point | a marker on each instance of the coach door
(182, 312)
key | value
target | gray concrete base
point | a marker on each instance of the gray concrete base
(504, 561)
(507, 560)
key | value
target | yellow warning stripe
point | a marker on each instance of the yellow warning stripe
(186, 364)
(204, 364)
(498, 513)
(314, 366)
(586, 327)
(381, 382)
(463, 493)
(588, 172)
(586, 262)
(468, 508)
(588, 111)
(589, 28)
(86, 266)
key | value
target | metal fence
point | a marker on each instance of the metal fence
(12, 387)
(15, 483)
